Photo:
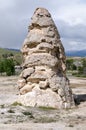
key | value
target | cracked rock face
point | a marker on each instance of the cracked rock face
(43, 81)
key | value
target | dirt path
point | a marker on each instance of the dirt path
(13, 116)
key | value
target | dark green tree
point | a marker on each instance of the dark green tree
(80, 70)
(2, 66)
(74, 67)
(5, 55)
(84, 62)
(69, 64)
(9, 66)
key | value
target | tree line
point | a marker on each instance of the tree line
(77, 65)
(7, 66)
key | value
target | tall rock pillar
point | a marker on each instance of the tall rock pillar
(43, 81)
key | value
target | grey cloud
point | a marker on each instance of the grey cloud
(27, 7)
(14, 20)
(76, 32)
(73, 37)
(12, 35)
(73, 45)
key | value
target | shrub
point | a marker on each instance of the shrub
(26, 113)
(16, 103)
(11, 111)
(7, 65)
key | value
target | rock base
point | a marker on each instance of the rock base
(46, 98)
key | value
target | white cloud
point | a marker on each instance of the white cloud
(73, 13)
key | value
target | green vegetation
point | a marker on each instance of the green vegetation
(28, 114)
(70, 125)
(15, 55)
(46, 108)
(16, 104)
(2, 106)
(11, 111)
(7, 65)
(69, 63)
(76, 66)
(8, 60)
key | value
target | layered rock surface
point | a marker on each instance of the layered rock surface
(43, 81)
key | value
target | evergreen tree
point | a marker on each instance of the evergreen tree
(69, 63)
(2, 66)
(9, 67)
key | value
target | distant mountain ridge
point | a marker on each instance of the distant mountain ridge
(76, 53)
(12, 49)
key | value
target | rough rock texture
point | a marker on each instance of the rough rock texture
(43, 81)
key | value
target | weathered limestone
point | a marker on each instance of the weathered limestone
(43, 81)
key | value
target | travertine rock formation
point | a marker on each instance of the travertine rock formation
(43, 81)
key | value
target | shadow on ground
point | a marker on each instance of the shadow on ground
(79, 98)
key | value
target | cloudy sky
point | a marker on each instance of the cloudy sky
(69, 16)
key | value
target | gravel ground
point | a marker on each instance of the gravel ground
(14, 116)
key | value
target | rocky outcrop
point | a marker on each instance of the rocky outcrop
(43, 81)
